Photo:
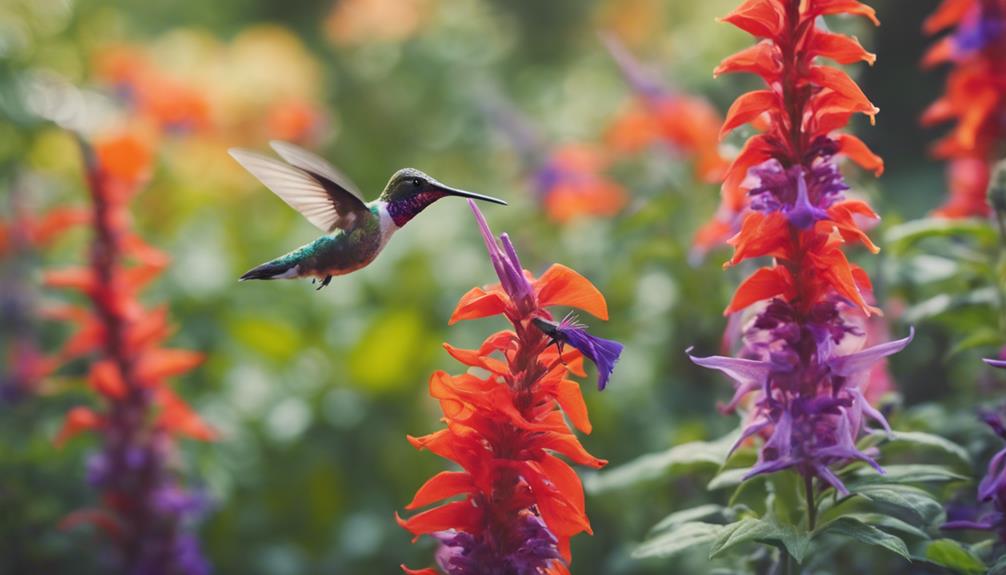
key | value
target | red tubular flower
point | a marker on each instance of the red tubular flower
(801, 358)
(975, 98)
(686, 124)
(521, 503)
(145, 511)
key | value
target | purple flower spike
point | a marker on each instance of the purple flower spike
(603, 352)
(506, 263)
(533, 550)
(805, 401)
(992, 488)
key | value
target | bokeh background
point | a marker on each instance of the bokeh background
(314, 392)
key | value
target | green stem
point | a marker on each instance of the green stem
(808, 490)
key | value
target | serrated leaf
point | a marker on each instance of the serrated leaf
(683, 537)
(851, 527)
(655, 465)
(751, 529)
(911, 499)
(911, 473)
(687, 516)
(954, 556)
(904, 235)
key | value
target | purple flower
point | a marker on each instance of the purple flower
(984, 25)
(802, 193)
(507, 264)
(807, 396)
(992, 489)
(532, 549)
(1001, 364)
(603, 352)
(642, 79)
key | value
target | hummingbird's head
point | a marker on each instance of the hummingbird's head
(409, 191)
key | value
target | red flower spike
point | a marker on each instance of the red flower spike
(129, 371)
(508, 430)
(974, 96)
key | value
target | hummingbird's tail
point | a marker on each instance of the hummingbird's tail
(275, 270)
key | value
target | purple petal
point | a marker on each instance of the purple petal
(743, 371)
(1001, 364)
(848, 365)
(603, 352)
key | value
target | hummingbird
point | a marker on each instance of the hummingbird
(355, 230)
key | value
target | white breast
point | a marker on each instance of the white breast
(388, 226)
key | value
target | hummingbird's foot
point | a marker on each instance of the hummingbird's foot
(324, 282)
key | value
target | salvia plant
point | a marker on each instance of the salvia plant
(801, 370)
(144, 511)
(507, 424)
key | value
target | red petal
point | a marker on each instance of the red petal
(426, 571)
(570, 399)
(478, 303)
(158, 364)
(762, 285)
(858, 152)
(78, 420)
(56, 222)
(940, 52)
(441, 486)
(949, 13)
(760, 235)
(568, 445)
(761, 18)
(840, 48)
(74, 278)
(106, 379)
(460, 515)
(178, 418)
(761, 59)
(825, 7)
(99, 518)
(560, 285)
(748, 107)
(565, 480)
(756, 150)
(841, 83)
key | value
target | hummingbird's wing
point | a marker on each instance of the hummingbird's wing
(323, 202)
(315, 165)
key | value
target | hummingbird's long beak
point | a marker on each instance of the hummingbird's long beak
(466, 194)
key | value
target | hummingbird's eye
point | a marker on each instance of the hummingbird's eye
(417, 182)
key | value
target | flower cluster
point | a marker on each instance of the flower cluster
(21, 235)
(163, 89)
(992, 487)
(801, 362)
(567, 180)
(521, 503)
(146, 512)
(686, 124)
(974, 98)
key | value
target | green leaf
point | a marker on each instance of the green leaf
(954, 556)
(727, 478)
(903, 235)
(911, 499)
(985, 337)
(940, 304)
(655, 465)
(912, 473)
(687, 516)
(999, 568)
(750, 529)
(889, 523)
(934, 441)
(683, 537)
(850, 526)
